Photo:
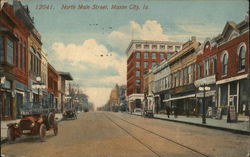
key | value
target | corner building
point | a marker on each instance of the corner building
(141, 56)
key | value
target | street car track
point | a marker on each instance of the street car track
(151, 132)
(133, 137)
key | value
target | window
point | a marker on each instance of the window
(224, 63)
(138, 90)
(17, 51)
(21, 56)
(177, 48)
(153, 64)
(170, 48)
(242, 58)
(138, 82)
(137, 73)
(145, 64)
(162, 47)
(138, 55)
(1, 49)
(181, 77)
(10, 50)
(214, 66)
(145, 55)
(177, 79)
(185, 76)
(162, 55)
(206, 68)
(153, 55)
(154, 47)
(190, 74)
(146, 46)
(138, 46)
(199, 71)
(25, 57)
(137, 64)
(194, 72)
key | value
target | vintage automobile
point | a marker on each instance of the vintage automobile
(33, 123)
(69, 114)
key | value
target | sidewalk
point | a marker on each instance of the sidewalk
(4, 127)
(241, 127)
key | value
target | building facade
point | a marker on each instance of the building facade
(183, 69)
(206, 70)
(63, 77)
(141, 56)
(233, 66)
(52, 88)
(149, 103)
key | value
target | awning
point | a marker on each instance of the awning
(181, 97)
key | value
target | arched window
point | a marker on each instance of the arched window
(224, 63)
(242, 58)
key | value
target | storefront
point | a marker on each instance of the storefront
(234, 92)
(7, 100)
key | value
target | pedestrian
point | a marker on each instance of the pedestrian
(168, 111)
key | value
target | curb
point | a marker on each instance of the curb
(4, 139)
(242, 132)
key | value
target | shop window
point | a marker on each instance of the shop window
(10, 51)
(242, 58)
(1, 49)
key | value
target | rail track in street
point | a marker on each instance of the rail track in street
(153, 133)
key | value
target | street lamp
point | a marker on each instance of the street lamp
(38, 85)
(204, 89)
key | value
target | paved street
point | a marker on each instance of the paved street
(106, 134)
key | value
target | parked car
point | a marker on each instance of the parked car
(33, 123)
(69, 114)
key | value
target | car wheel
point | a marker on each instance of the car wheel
(11, 135)
(55, 129)
(42, 132)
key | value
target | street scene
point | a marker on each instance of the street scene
(103, 78)
(118, 134)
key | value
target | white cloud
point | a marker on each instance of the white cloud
(91, 65)
(150, 30)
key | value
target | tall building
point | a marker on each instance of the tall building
(141, 56)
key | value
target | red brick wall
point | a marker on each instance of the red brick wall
(233, 59)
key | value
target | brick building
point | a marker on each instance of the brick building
(233, 66)
(141, 56)
(206, 69)
(52, 88)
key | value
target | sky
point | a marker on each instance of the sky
(91, 43)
